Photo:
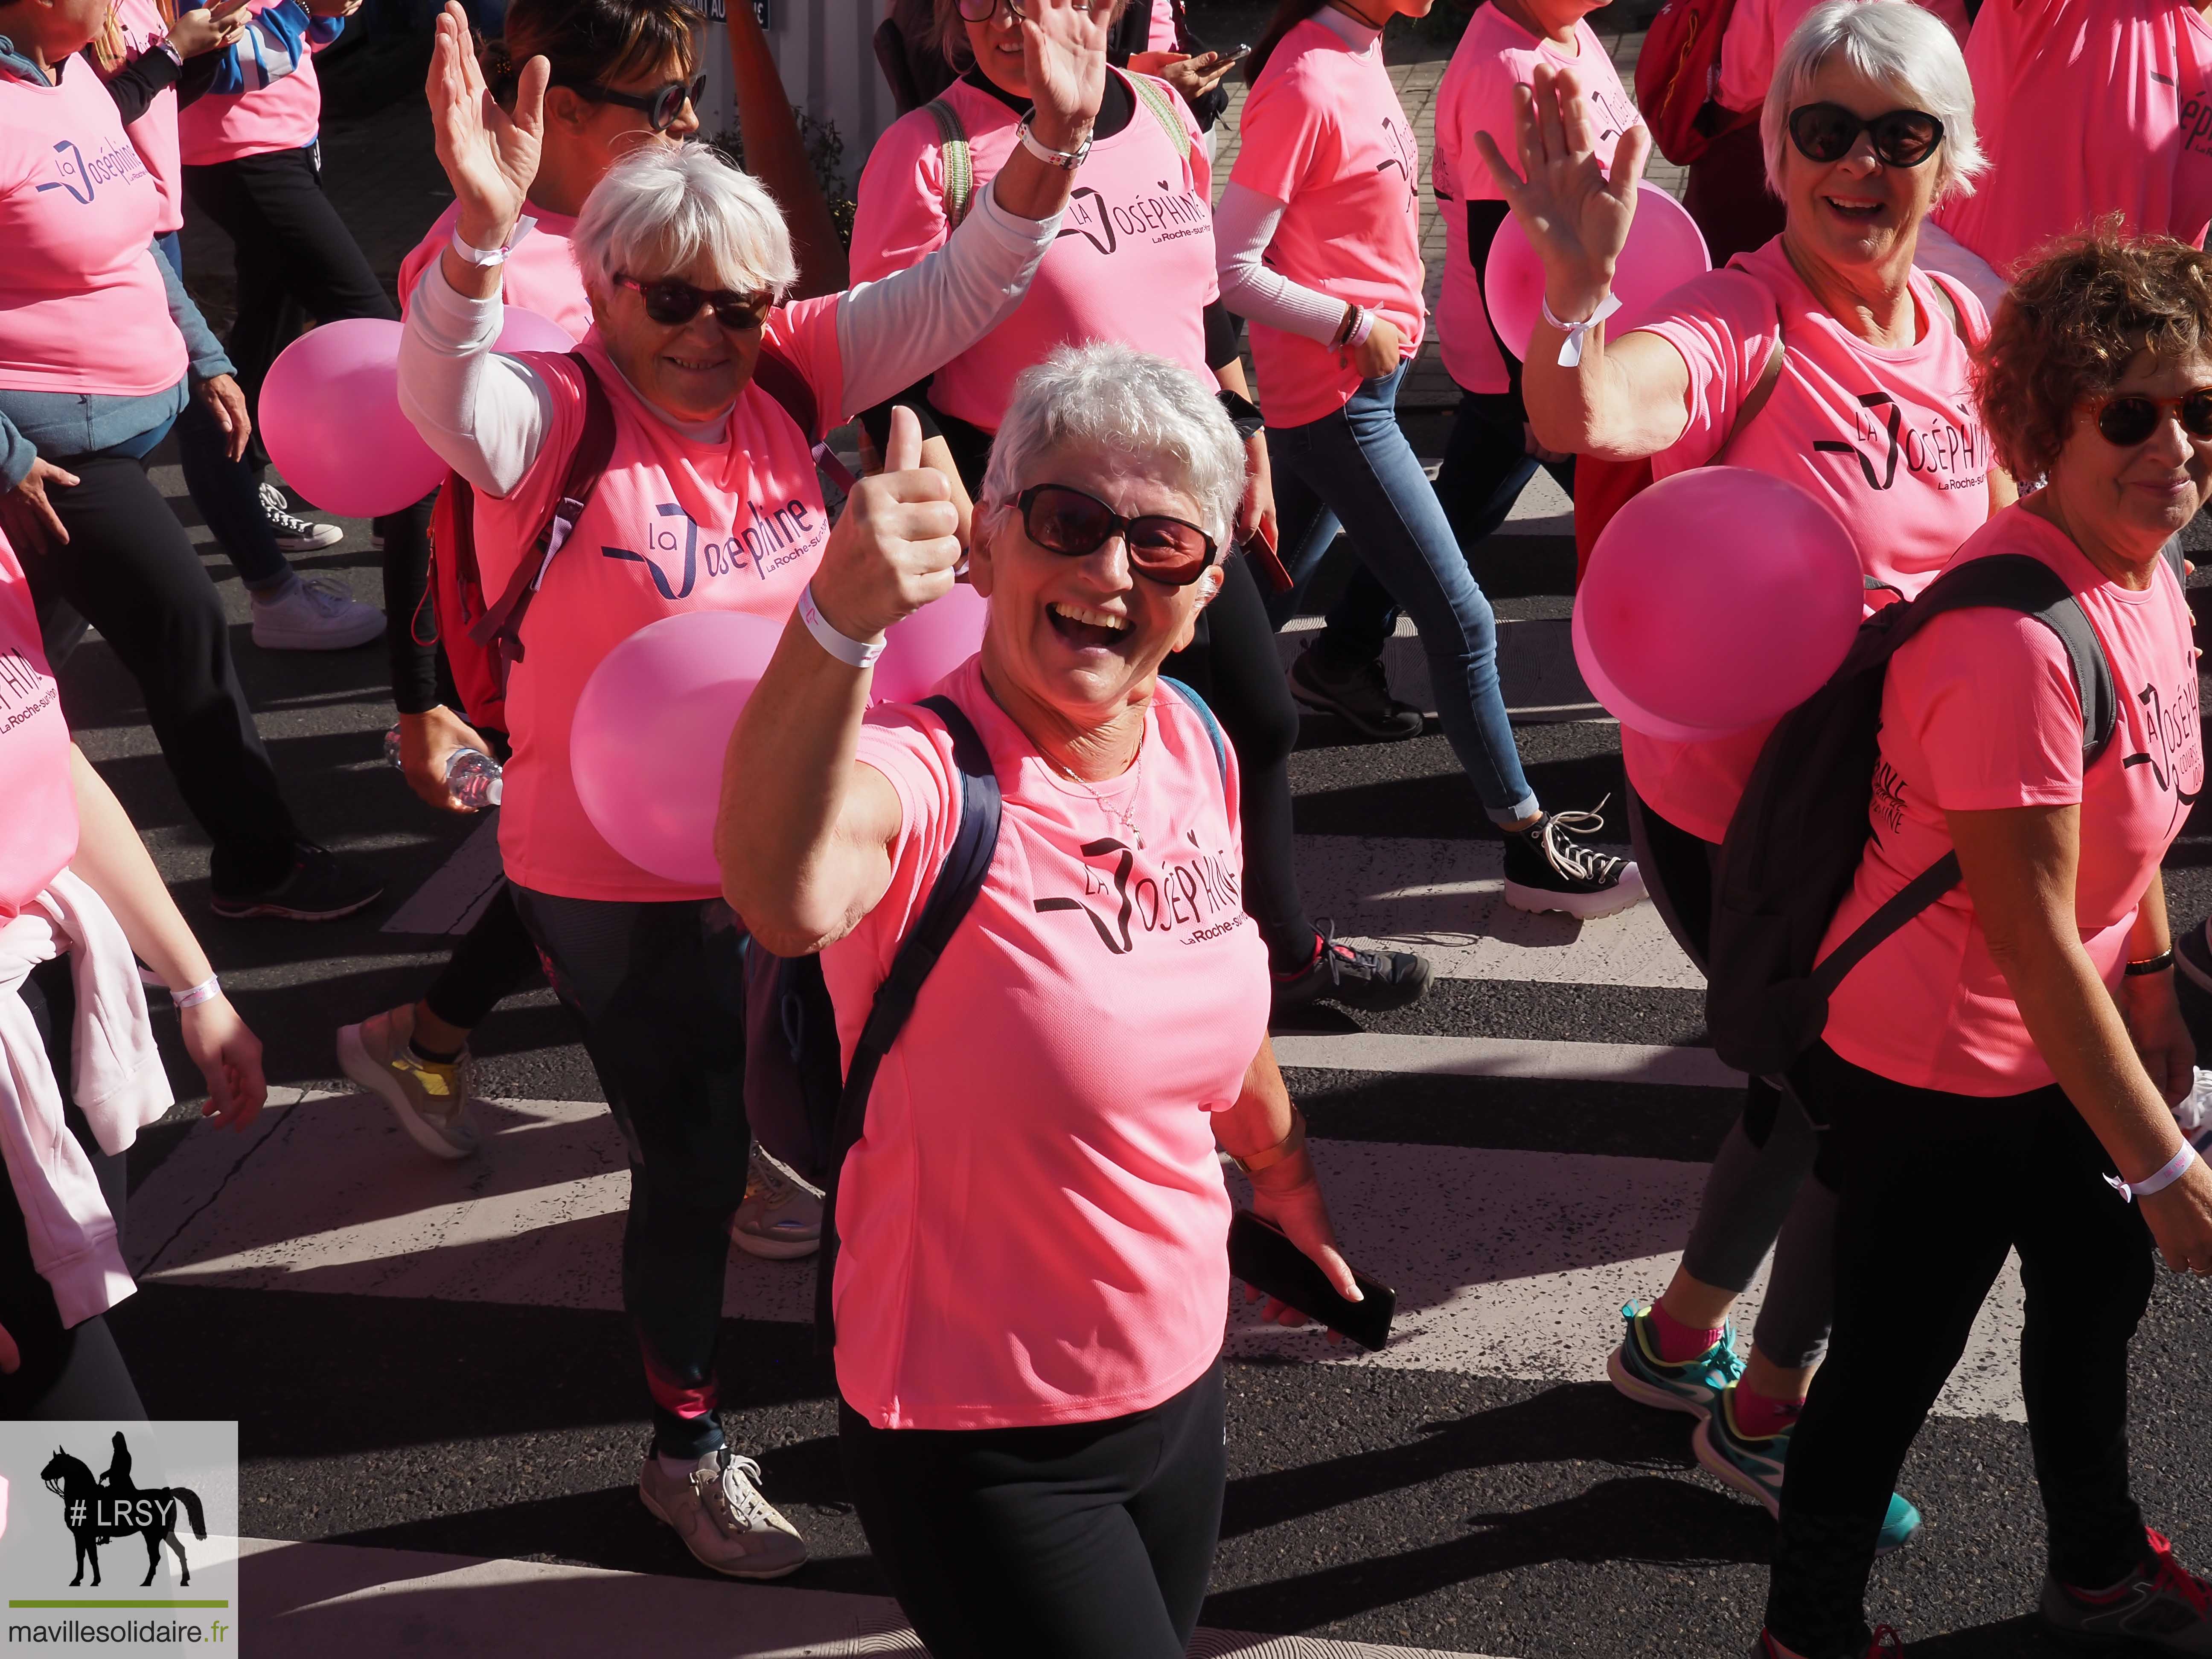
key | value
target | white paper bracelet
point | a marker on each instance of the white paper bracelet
(1571, 348)
(206, 991)
(857, 653)
(485, 258)
(2158, 1179)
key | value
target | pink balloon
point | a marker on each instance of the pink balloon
(1717, 600)
(1664, 250)
(1610, 696)
(523, 329)
(645, 747)
(929, 645)
(330, 415)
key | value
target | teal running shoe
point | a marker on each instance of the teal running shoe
(1694, 1387)
(1755, 1468)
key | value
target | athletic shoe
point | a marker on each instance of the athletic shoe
(782, 1216)
(1884, 1643)
(1359, 696)
(430, 1101)
(720, 1514)
(1546, 871)
(1755, 1468)
(2162, 1607)
(318, 887)
(1371, 980)
(2192, 954)
(313, 613)
(294, 534)
(1693, 1386)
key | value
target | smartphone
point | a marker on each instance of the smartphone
(1261, 550)
(1264, 1259)
(1234, 56)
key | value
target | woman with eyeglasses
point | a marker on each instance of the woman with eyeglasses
(1825, 358)
(2006, 1059)
(1033, 1272)
(686, 262)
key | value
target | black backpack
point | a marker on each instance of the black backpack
(1798, 834)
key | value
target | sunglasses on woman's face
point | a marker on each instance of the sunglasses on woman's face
(1902, 137)
(662, 105)
(2128, 421)
(1063, 520)
(672, 303)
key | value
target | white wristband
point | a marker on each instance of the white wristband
(2158, 1179)
(1571, 348)
(855, 653)
(206, 991)
(485, 258)
(1362, 326)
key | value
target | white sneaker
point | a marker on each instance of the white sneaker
(719, 1513)
(294, 534)
(782, 1216)
(314, 614)
(430, 1101)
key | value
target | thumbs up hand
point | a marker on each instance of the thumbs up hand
(895, 547)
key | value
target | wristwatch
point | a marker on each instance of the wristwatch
(1066, 160)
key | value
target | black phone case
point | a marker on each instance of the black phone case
(1270, 1263)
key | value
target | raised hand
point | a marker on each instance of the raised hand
(896, 545)
(1064, 56)
(201, 30)
(490, 157)
(1575, 214)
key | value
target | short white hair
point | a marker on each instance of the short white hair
(1896, 44)
(1108, 396)
(663, 207)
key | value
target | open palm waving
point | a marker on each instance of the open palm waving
(1064, 55)
(489, 156)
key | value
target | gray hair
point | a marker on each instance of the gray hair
(1106, 395)
(1891, 42)
(663, 206)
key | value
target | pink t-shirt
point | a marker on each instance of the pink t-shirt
(1757, 30)
(86, 311)
(282, 108)
(540, 275)
(1493, 57)
(1134, 261)
(1889, 441)
(2088, 107)
(34, 754)
(154, 134)
(1980, 714)
(1033, 1225)
(1324, 133)
(674, 524)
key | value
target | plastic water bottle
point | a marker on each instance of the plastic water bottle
(472, 777)
(2194, 1115)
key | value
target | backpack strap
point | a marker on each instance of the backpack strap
(959, 163)
(1206, 718)
(1149, 94)
(587, 463)
(966, 866)
(1769, 378)
(777, 375)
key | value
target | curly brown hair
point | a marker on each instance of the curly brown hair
(2073, 321)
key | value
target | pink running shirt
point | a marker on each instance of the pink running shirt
(1757, 30)
(1134, 261)
(540, 275)
(87, 312)
(1033, 1225)
(1980, 714)
(1324, 133)
(281, 104)
(1493, 57)
(34, 753)
(674, 524)
(1889, 441)
(154, 134)
(2088, 107)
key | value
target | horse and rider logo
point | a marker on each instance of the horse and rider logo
(100, 1510)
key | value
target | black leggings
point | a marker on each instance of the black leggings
(77, 1372)
(493, 959)
(1936, 1188)
(1083, 1540)
(131, 571)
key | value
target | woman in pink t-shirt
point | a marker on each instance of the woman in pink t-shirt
(709, 500)
(1825, 358)
(1030, 1291)
(1993, 1069)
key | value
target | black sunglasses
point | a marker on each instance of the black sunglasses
(661, 105)
(1066, 521)
(674, 303)
(2128, 421)
(1902, 137)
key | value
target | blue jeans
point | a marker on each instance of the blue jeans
(224, 490)
(1355, 468)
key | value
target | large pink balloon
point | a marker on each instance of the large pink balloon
(1617, 702)
(523, 329)
(1717, 600)
(330, 416)
(645, 747)
(1664, 250)
(929, 645)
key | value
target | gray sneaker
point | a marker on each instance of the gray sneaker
(780, 1218)
(720, 1514)
(1359, 696)
(2162, 1607)
(430, 1101)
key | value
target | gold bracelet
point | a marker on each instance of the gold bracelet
(1284, 1149)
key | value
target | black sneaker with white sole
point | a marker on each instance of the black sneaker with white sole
(1546, 869)
(2192, 953)
(294, 534)
(1372, 980)
(318, 887)
(1359, 694)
